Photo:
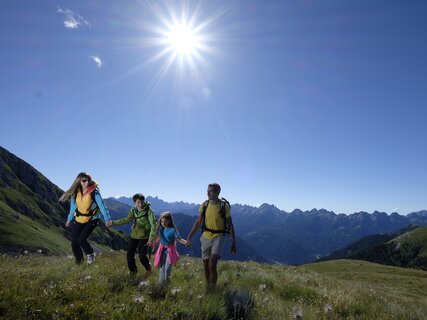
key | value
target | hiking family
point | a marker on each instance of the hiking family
(86, 206)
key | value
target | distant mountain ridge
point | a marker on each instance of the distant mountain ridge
(184, 223)
(299, 237)
(31, 218)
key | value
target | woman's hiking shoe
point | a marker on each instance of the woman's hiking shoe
(91, 258)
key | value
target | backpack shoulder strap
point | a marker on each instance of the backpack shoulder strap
(205, 206)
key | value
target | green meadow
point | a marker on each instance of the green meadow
(53, 287)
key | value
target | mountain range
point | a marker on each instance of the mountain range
(296, 237)
(31, 217)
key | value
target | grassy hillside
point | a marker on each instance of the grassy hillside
(394, 288)
(407, 248)
(416, 239)
(31, 218)
(55, 288)
(19, 232)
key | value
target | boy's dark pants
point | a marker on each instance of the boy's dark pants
(141, 246)
(79, 234)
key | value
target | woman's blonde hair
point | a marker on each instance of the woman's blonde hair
(165, 215)
(76, 186)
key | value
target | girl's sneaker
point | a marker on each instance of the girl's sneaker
(91, 258)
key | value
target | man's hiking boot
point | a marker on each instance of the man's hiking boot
(91, 258)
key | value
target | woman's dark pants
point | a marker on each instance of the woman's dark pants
(80, 233)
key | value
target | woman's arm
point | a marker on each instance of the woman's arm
(73, 207)
(101, 205)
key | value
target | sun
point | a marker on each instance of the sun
(182, 39)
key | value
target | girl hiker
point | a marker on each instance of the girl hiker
(86, 203)
(143, 232)
(166, 254)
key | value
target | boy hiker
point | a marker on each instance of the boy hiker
(143, 232)
(215, 221)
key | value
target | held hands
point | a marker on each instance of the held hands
(109, 224)
(67, 224)
(188, 243)
(233, 248)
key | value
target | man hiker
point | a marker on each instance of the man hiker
(215, 221)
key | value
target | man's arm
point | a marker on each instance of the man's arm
(196, 226)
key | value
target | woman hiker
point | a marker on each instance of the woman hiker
(85, 205)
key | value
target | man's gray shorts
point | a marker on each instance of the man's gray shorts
(212, 246)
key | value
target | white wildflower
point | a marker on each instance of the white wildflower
(296, 313)
(328, 308)
(143, 284)
(175, 291)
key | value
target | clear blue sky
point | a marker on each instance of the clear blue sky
(300, 104)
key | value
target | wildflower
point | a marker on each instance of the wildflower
(175, 291)
(139, 299)
(143, 284)
(69, 257)
(200, 297)
(296, 313)
(88, 277)
(328, 308)
(72, 306)
(263, 287)
(39, 251)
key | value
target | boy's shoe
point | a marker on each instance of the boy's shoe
(148, 273)
(91, 258)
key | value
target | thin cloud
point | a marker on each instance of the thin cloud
(97, 60)
(207, 93)
(72, 20)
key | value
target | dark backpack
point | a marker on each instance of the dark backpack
(221, 212)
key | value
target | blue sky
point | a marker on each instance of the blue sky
(300, 104)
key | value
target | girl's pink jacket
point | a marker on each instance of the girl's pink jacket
(173, 255)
